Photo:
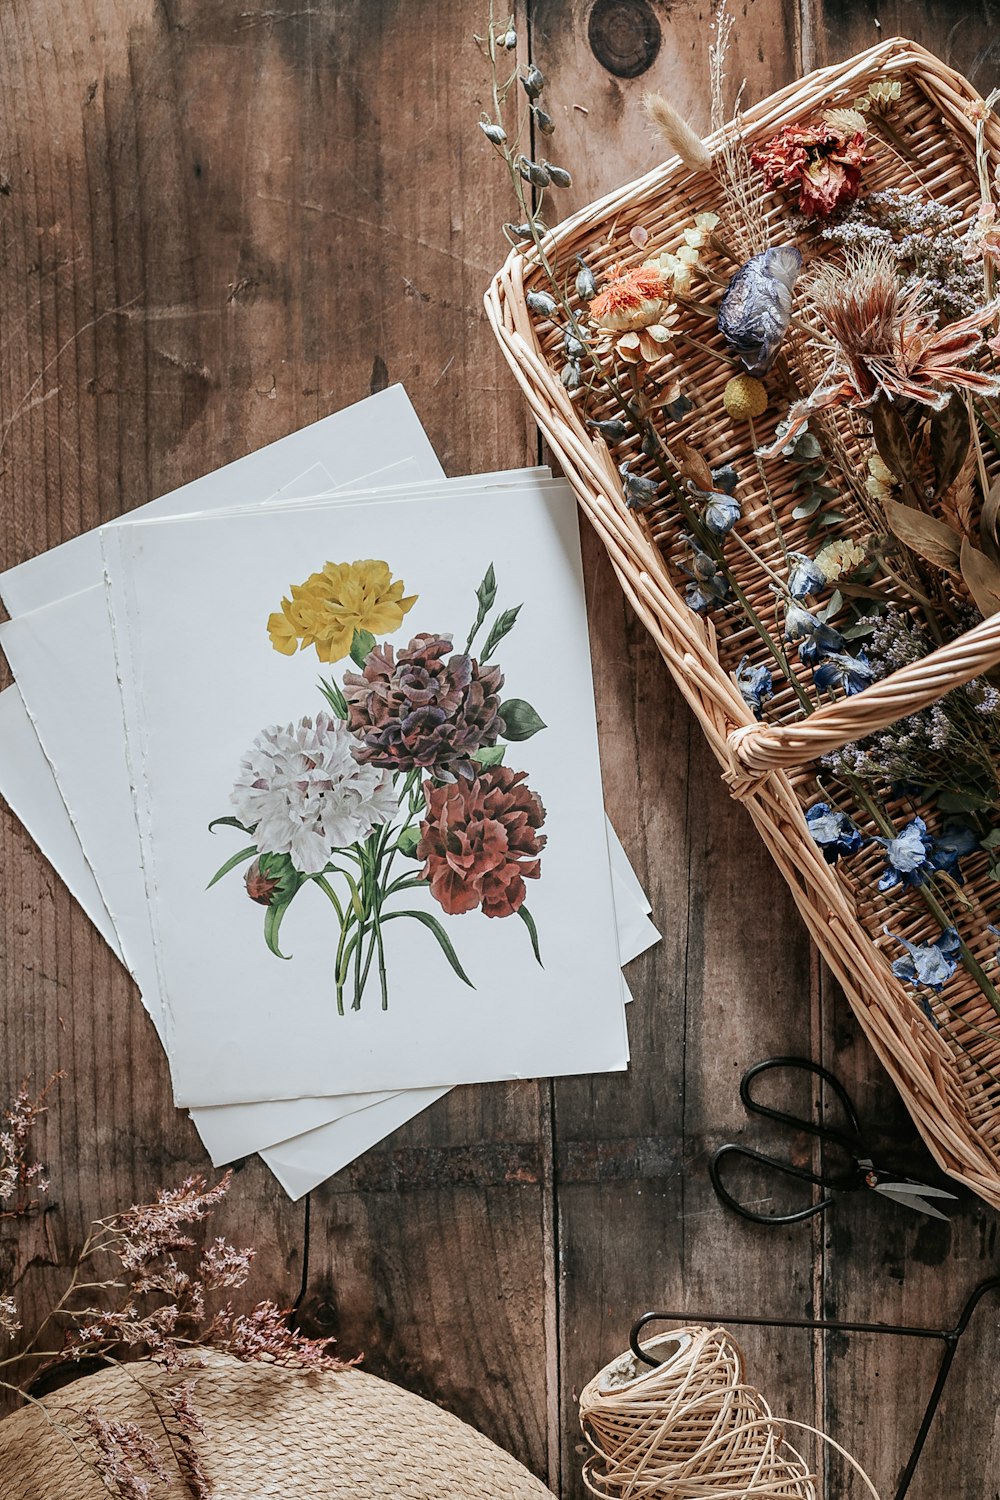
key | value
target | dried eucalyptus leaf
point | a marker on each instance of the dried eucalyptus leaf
(929, 538)
(982, 579)
(892, 439)
(989, 530)
(949, 442)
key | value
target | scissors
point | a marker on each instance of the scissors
(860, 1173)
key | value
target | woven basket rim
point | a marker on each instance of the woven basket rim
(921, 1065)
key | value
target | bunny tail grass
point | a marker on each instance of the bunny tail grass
(677, 133)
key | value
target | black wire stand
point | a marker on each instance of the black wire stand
(948, 1336)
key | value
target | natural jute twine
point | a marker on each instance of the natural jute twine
(690, 1428)
(270, 1434)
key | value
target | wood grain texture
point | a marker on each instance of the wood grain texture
(223, 222)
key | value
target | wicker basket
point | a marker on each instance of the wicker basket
(949, 1077)
(269, 1434)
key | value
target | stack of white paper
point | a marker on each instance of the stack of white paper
(322, 991)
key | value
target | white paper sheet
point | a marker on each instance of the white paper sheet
(275, 1028)
(231, 1131)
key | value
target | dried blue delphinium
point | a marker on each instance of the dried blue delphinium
(755, 684)
(907, 857)
(928, 964)
(586, 282)
(839, 669)
(833, 831)
(721, 513)
(757, 306)
(806, 577)
(612, 431)
(957, 840)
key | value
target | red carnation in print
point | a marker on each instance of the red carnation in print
(480, 842)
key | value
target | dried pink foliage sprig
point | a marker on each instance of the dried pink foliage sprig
(127, 1458)
(23, 1182)
(141, 1287)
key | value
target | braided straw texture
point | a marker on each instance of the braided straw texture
(949, 1077)
(691, 1426)
(270, 1434)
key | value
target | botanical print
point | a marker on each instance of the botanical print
(403, 765)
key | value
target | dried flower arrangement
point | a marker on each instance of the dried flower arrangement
(407, 763)
(785, 349)
(139, 1288)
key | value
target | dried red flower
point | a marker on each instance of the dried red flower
(480, 842)
(824, 157)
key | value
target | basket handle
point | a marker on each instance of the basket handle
(766, 747)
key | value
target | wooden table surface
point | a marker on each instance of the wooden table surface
(219, 222)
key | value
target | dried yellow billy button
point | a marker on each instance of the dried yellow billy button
(744, 397)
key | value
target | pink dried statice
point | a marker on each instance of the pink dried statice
(189, 1425)
(124, 1456)
(22, 1181)
(222, 1265)
(10, 1321)
(264, 1334)
(148, 1230)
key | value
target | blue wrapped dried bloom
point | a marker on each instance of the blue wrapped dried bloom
(755, 684)
(928, 964)
(833, 831)
(907, 856)
(721, 513)
(852, 674)
(799, 623)
(756, 307)
(806, 577)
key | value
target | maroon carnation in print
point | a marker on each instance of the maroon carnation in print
(424, 708)
(480, 842)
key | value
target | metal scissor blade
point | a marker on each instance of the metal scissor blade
(913, 1195)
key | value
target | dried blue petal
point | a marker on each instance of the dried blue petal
(838, 669)
(494, 133)
(709, 585)
(755, 684)
(725, 479)
(822, 640)
(833, 831)
(806, 577)
(533, 82)
(757, 306)
(907, 857)
(533, 172)
(928, 964)
(678, 407)
(571, 376)
(544, 121)
(957, 840)
(721, 514)
(800, 624)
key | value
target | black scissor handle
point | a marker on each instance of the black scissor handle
(787, 1170)
(851, 1143)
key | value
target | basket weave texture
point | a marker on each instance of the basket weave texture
(948, 1077)
(270, 1434)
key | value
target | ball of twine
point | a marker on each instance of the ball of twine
(691, 1427)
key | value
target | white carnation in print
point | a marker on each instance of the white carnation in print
(305, 795)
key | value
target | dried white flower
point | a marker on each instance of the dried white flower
(302, 791)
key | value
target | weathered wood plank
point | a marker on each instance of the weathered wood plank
(442, 1276)
(730, 982)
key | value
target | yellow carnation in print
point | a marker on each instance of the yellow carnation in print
(330, 606)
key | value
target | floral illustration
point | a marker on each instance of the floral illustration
(404, 763)
(330, 606)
